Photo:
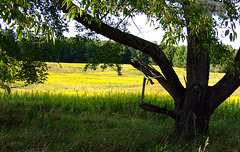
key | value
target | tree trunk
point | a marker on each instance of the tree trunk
(193, 115)
(193, 118)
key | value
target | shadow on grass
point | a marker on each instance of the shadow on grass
(34, 122)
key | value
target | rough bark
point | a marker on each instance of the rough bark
(193, 114)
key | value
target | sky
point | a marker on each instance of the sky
(148, 33)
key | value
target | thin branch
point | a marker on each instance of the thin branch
(148, 70)
(137, 27)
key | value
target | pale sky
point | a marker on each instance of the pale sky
(148, 33)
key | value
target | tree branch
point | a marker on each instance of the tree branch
(144, 46)
(152, 108)
(153, 73)
(226, 86)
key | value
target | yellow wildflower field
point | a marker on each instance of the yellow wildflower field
(70, 77)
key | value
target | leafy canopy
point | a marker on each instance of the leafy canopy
(171, 15)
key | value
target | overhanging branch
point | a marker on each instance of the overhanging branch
(177, 89)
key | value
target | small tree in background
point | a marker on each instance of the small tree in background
(22, 57)
(19, 62)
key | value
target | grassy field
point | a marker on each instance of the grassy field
(66, 77)
(98, 111)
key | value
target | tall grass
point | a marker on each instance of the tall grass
(110, 102)
(126, 103)
(104, 121)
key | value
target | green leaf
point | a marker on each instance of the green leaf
(47, 38)
(14, 68)
(69, 15)
(43, 28)
(235, 35)
(69, 2)
(231, 37)
(28, 35)
(93, 10)
(9, 20)
(18, 30)
(36, 31)
(73, 15)
(1, 64)
(226, 24)
(81, 12)
(20, 34)
(233, 25)
(227, 32)
(54, 40)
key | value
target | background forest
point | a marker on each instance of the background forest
(83, 49)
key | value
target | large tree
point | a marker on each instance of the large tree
(197, 21)
(194, 103)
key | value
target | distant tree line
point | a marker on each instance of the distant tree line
(178, 58)
(81, 49)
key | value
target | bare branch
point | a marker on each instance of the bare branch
(150, 71)
(152, 108)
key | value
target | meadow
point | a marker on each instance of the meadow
(98, 111)
(72, 78)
